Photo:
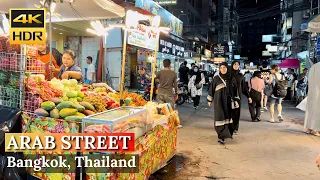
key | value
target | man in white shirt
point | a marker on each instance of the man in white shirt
(91, 71)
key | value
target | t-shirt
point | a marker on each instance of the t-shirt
(290, 79)
(91, 69)
(256, 84)
(302, 83)
(247, 77)
(55, 53)
(265, 74)
(183, 72)
(168, 82)
(72, 68)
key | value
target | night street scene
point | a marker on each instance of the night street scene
(159, 89)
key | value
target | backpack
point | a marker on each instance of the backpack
(280, 88)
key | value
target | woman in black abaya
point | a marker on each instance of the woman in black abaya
(242, 89)
(222, 94)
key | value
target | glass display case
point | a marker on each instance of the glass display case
(120, 120)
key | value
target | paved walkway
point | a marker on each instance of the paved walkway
(261, 151)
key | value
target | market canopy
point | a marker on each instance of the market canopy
(290, 63)
(312, 25)
(80, 10)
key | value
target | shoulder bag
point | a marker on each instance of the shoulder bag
(255, 95)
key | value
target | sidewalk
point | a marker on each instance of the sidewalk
(261, 151)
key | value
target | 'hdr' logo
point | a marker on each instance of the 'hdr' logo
(27, 26)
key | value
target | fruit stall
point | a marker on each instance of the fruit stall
(65, 106)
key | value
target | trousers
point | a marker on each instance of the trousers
(196, 101)
(235, 115)
(255, 109)
(166, 98)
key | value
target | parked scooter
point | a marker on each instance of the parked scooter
(181, 94)
(147, 91)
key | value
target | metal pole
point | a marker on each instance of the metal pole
(124, 53)
(311, 8)
(50, 39)
(154, 66)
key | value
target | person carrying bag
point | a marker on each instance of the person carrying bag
(256, 86)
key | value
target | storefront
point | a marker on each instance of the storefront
(170, 49)
(68, 107)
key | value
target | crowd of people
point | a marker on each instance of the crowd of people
(228, 87)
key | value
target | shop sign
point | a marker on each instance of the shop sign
(302, 65)
(188, 54)
(170, 46)
(218, 50)
(143, 37)
(167, 19)
(166, 2)
(219, 60)
(207, 53)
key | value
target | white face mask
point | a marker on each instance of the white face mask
(195, 70)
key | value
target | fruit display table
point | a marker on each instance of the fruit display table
(155, 149)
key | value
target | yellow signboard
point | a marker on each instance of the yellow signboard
(27, 26)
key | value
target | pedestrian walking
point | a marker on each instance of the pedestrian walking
(196, 85)
(290, 78)
(183, 73)
(168, 83)
(247, 77)
(221, 94)
(265, 74)
(242, 89)
(280, 86)
(302, 85)
(256, 86)
(312, 121)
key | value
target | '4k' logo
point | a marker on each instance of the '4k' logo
(23, 18)
(27, 26)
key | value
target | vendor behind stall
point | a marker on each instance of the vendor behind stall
(44, 56)
(69, 70)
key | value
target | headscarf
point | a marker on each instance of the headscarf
(198, 75)
(226, 76)
(235, 72)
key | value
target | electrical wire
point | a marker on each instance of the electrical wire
(77, 12)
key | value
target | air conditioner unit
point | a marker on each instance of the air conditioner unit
(306, 14)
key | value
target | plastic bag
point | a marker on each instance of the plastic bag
(9, 122)
(303, 105)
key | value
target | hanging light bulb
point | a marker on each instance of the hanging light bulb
(100, 29)
(94, 25)
(53, 7)
(92, 31)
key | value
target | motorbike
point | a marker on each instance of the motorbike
(147, 91)
(183, 94)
